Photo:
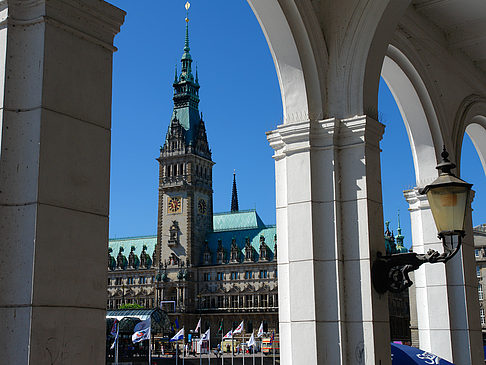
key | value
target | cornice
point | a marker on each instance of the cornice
(96, 21)
(305, 136)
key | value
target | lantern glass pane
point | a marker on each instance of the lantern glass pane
(448, 205)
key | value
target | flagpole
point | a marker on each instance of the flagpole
(177, 352)
(261, 348)
(243, 347)
(232, 346)
(150, 346)
(253, 348)
(183, 351)
(222, 349)
(273, 347)
(116, 350)
(209, 346)
(200, 344)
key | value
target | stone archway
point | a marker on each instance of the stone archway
(54, 186)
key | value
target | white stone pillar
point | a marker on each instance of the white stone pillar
(446, 295)
(330, 226)
(54, 179)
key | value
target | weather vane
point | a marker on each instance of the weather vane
(187, 6)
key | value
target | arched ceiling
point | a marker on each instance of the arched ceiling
(463, 23)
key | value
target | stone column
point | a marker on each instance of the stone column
(55, 84)
(329, 181)
(447, 304)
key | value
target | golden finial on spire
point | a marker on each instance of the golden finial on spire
(187, 6)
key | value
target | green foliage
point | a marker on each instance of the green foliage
(131, 306)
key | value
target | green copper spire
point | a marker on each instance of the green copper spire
(400, 237)
(186, 107)
(186, 43)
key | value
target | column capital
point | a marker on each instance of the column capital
(419, 201)
(303, 136)
(416, 200)
(97, 21)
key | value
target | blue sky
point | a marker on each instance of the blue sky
(240, 100)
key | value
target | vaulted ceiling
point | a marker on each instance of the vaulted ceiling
(463, 23)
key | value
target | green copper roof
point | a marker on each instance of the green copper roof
(243, 219)
(137, 242)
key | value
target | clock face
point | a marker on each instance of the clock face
(201, 206)
(174, 205)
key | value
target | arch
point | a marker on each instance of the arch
(299, 52)
(471, 119)
(417, 110)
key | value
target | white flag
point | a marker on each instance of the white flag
(179, 335)
(198, 327)
(251, 341)
(229, 334)
(260, 331)
(239, 329)
(141, 331)
(206, 335)
(113, 346)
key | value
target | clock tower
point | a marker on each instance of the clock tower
(185, 191)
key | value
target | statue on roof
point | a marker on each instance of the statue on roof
(111, 260)
(133, 261)
(121, 260)
(145, 260)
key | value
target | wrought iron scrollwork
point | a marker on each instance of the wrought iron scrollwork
(391, 273)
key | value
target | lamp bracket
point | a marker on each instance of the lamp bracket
(391, 272)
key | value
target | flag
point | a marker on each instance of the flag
(251, 341)
(177, 323)
(205, 336)
(141, 331)
(179, 335)
(260, 331)
(272, 337)
(229, 334)
(220, 331)
(114, 328)
(198, 327)
(239, 329)
(114, 332)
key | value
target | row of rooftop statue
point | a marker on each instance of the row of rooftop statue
(265, 253)
(133, 262)
(394, 244)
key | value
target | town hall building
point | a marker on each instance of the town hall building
(201, 264)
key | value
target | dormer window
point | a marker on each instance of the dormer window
(248, 250)
(263, 249)
(206, 254)
(220, 253)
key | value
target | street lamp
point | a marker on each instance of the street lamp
(448, 197)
